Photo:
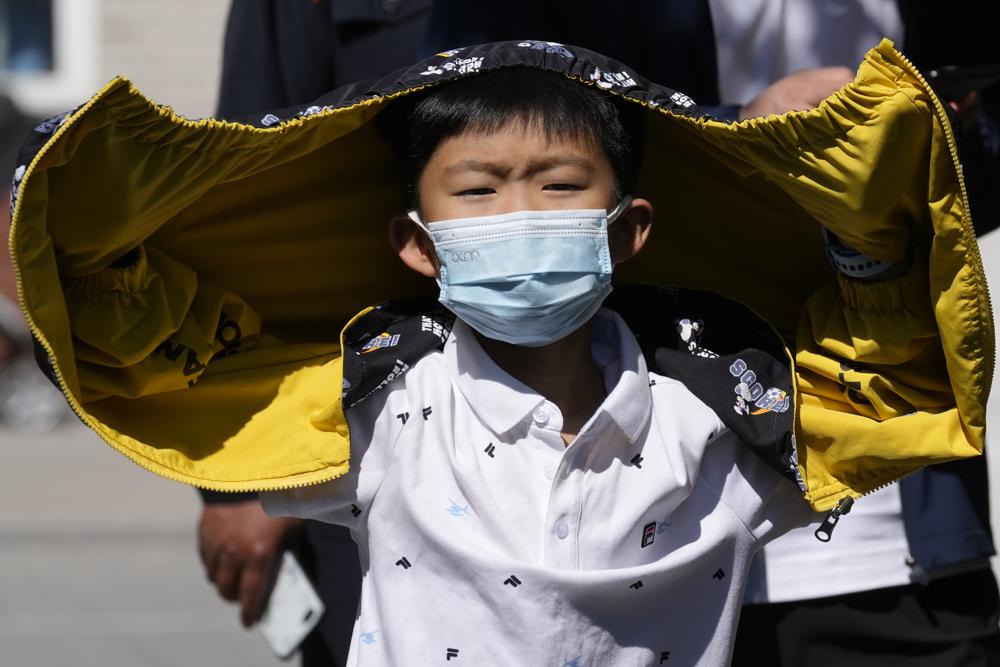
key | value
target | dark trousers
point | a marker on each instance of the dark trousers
(330, 557)
(950, 622)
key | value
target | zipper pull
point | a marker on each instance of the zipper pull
(825, 530)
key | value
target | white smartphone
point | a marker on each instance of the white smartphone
(293, 609)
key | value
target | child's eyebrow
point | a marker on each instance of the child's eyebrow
(534, 167)
(493, 168)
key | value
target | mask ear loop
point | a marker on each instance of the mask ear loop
(415, 217)
(616, 212)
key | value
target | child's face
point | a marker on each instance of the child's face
(514, 169)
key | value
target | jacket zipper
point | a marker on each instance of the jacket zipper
(970, 235)
(844, 507)
(825, 531)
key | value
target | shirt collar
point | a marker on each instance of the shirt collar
(503, 402)
(629, 403)
(500, 400)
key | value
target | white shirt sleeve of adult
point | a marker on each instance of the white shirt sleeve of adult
(374, 430)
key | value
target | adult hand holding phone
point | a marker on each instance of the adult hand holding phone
(241, 548)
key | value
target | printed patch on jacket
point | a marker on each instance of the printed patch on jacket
(432, 326)
(412, 328)
(750, 392)
(15, 187)
(459, 65)
(50, 125)
(690, 332)
(548, 47)
(680, 99)
(381, 341)
(608, 80)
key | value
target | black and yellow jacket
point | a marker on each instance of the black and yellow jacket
(202, 288)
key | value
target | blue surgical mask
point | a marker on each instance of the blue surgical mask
(529, 277)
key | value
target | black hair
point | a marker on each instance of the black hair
(491, 101)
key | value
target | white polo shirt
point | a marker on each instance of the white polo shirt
(485, 541)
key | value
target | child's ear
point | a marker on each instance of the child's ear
(413, 247)
(628, 234)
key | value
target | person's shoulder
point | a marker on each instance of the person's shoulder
(676, 407)
(405, 382)
(669, 393)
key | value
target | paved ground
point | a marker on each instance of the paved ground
(98, 567)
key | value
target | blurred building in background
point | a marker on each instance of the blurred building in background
(54, 54)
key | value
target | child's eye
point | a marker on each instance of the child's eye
(562, 187)
(476, 192)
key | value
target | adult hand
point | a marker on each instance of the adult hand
(804, 89)
(241, 547)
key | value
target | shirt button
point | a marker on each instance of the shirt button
(550, 471)
(562, 529)
(540, 415)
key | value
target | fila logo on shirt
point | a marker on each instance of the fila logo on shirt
(648, 534)
(451, 653)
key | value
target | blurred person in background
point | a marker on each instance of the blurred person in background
(28, 402)
(907, 579)
(280, 53)
(13, 127)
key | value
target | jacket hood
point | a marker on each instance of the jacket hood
(189, 279)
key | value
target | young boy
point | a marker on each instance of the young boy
(532, 493)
